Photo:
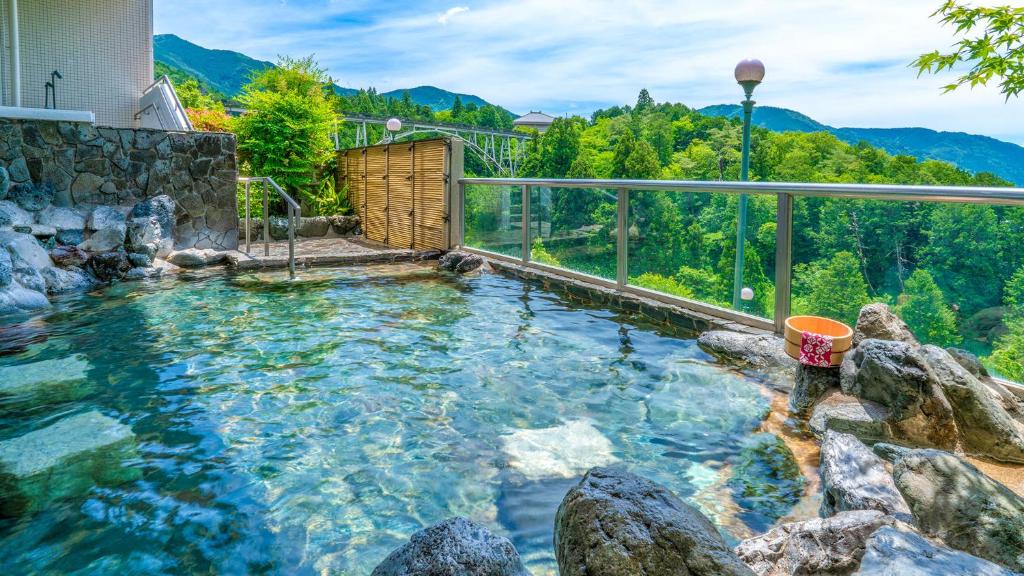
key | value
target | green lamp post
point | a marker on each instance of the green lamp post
(749, 74)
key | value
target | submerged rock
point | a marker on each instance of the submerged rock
(564, 451)
(854, 478)
(894, 552)
(64, 459)
(755, 350)
(614, 523)
(454, 547)
(985, 427)
(831, 546)
(44, 373)
(766, 480)
(878, 321)
(953, 501)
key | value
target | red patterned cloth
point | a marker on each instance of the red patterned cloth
(816, 350)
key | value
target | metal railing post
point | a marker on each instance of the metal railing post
(266, 218)
(525, 224)
(783, 260)
(248, 217)
(622, 239)
(460, 214)
(292, 222)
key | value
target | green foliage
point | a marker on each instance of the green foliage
(834, 288)
(659, 283)
(923, 307)
(192, 95)
(992, 46)
(1008, 356)
(286, 131)
(539, 254)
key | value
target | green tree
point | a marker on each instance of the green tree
(992, 46)
(923, 307)
(458, 110)
(1008, 355)
(644, 102)
(286, 130)
(833, 288)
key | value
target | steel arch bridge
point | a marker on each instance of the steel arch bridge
(502, 150)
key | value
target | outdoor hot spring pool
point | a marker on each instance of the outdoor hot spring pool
(310, 427)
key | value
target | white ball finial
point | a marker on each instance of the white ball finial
(394, 125)
(751, 70)
(747, 294)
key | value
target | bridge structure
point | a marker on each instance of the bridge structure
(502, 150)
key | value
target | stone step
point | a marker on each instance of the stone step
(65, 459)
(45, 374)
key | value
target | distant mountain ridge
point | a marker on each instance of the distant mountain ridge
(227, 71)
(971, 152)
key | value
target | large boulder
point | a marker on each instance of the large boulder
(459, 262)
(754, 350)
(61, 218)
(832, 546)
(314, 226)
(109, 266)
(878, 321)
(895, 375)
(969, 361)
(196, 257)
(32, 197)
(864, 419)
(614, 523)
(986, 428)
(109, 228)
(278, 227)
(24, 250)
(65, 280)
(952, 501)
(900, 552)
(766, 480)
(162, 208)
(454, 547)
(812, 382)
(12, 215)
(144, 236)
(854, 478)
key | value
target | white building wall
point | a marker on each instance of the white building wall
(103, 48)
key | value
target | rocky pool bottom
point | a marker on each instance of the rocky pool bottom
(236, 423)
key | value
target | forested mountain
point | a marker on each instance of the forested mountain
(225, 72)
(968, 151)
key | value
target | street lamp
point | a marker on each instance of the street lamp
(749, 74)
(393, 125)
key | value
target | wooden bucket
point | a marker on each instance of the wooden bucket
(842, 335)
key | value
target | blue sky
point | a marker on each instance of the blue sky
(843, 63)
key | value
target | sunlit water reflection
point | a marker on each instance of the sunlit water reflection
(312, 426)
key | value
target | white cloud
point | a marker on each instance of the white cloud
(451, 13)
(843, 63)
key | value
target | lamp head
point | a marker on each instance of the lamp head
(749, 73)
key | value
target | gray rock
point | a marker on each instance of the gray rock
(986, 428)
(894, 552)
(969, 361)
(12, 215)
(469, 263)
(16, 297)
(343, 225)
(61, 218)
(106, 217)
(66, 280)
(952, 501)
(614, 523)
(896, 375)
(832, 546)
(5, 183)
(70, 237)
(454, 547)
(42, 231)
(6, 269)
(32, 197)
(104, 240)
(109, 266)
(68, 256)
(755, 350)
(843, 413)
(853, 478)
(162, 208)
(143, 273)
(24, 250)
(878, 321)
(278, 228)
(144, 235)
(811, 384)
(140, 260)
(889, 452)
(449, 260)
(314, 227)
(766, 480)
(196, 257)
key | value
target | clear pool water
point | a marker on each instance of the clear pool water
(310, 427)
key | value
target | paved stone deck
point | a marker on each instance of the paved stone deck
(319, 252)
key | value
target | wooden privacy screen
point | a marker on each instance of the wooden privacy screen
(401, 191)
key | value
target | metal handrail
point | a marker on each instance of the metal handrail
(785, 193)
(294, 213)
(177, 101)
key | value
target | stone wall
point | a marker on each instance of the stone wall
(90, 166)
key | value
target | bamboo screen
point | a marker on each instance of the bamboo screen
(400, 192)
